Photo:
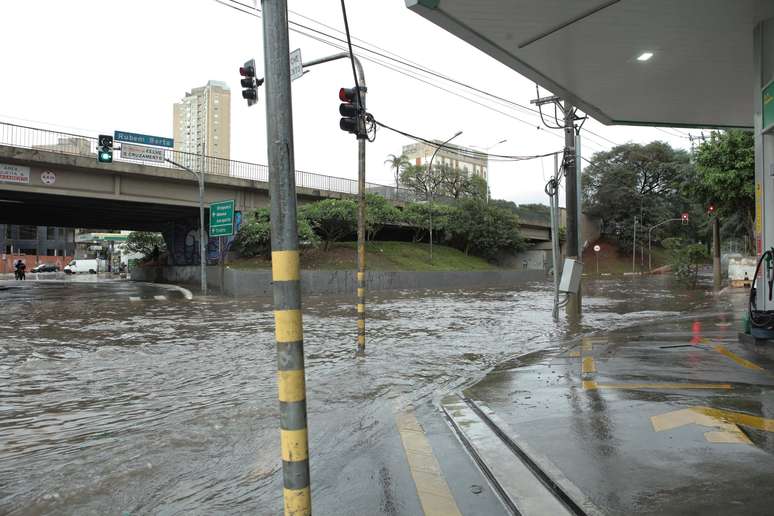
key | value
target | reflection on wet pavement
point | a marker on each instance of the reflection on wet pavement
(109, 405)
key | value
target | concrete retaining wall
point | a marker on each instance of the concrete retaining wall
(241, 283)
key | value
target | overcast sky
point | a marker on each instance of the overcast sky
(97, 66)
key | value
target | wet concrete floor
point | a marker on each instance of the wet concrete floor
(671, 417)
(119, 398)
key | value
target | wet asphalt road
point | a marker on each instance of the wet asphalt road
(114, 406)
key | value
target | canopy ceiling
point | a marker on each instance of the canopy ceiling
(701, 72)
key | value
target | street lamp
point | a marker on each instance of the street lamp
(430, 189)
(202, 233)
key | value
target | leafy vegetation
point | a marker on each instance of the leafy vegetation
(686, 258)
(724, 176)
(332, 219)
(148, 244)
(254, 237)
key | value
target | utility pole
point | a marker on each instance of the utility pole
(430, 184)
(716, 252)
(286, 273)
(572, 201)
(634, 244)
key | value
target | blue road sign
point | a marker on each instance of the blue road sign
(143, 139)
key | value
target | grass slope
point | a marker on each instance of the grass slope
(381, 256)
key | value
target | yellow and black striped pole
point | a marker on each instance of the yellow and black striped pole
(361, 212)
(285, 265)
(361, 253)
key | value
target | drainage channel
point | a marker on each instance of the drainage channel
(523, 485)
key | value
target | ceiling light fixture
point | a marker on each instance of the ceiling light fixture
(645, 56)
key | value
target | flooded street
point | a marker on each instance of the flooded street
(111, 405)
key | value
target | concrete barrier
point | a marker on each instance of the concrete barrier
(241, 283)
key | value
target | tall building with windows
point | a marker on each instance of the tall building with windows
(470, 161)
(202, 121)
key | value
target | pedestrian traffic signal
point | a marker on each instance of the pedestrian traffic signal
(249, 82)
(105, 148)
(350, 110)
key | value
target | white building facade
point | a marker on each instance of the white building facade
(202, 121)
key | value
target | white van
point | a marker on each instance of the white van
(91, 266)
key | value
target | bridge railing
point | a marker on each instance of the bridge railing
(80, 145)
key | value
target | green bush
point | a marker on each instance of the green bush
(254, 237)
(331, 219)
(485, 230)
(685, 259)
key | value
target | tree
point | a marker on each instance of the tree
(254, 236)
(417, 178)
(635, 180)
(332, 219)
(724, 175)
(417, 215)
(484, 229)
(379, 212)
(145, 243)
(398, 163)
(686, 259)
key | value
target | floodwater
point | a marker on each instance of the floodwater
(110, 405)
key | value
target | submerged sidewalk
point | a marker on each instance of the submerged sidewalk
(672, 417)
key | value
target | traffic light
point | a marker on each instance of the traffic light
(350, 110)
(684, 218)
(105, 148)
(249, 82)
(711, 209)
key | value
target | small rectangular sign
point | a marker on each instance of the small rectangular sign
(14, 174)
(222, 218)
(140, 153)
(143, 139)
(296, 65)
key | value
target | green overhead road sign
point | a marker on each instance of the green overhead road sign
(222, 218)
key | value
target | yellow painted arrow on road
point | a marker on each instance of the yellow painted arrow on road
(725, 421)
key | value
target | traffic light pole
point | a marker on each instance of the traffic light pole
(202, 233)
(361, 265)
(285, 265)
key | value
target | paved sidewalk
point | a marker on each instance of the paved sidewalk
(673, 417)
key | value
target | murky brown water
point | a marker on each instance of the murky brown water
(109, 406)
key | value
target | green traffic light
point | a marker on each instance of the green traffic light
(105, 157)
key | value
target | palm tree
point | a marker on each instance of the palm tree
(398, 163)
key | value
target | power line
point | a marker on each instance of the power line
(254, 11)
(468, 152)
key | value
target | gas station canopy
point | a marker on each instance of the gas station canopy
(595, 53)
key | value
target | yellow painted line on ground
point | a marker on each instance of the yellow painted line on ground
(573, 354)
(736, 358)
(588, 385)
(432, 489)
(586, 345)
(588, 366)
(726, 421)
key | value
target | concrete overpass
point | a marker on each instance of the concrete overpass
(67, 185)
(62, 183)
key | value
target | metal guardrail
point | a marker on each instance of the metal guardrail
(80, 145)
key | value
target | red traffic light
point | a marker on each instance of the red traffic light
(684, 218)
(711, 209)
(348, 95)
(247, 71)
